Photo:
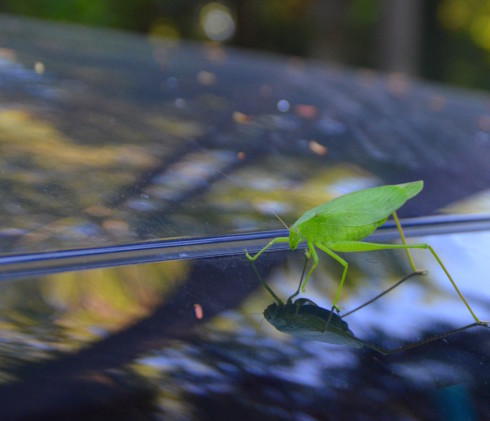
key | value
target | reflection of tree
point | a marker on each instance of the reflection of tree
(76, 380)
(66, 312)
(265, 380)
(175, 361)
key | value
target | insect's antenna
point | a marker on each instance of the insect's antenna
(269, 290)
(282, 222)
(372, 300)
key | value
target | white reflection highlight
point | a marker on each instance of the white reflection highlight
(283, 105)
(217, 22)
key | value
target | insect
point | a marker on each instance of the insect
(339, 225)
(305, 319)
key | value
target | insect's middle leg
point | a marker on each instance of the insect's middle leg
(344, 264)
(312, 253)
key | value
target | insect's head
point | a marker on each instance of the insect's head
(275, 315)
(294, 237)
(270, 311)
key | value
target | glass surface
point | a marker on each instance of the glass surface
(187, 339)
(108, 138)
(133, 174)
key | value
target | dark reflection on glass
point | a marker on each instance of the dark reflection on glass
(305, 319)
(189, 341)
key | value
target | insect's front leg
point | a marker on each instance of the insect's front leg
(271, 243)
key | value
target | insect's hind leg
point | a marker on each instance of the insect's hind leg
(404, 241)
(344, 273)
(360, 246)
(477, 320)
(419, 343)
(386, 291)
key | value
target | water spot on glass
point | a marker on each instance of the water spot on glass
(7, 54)
(198, 311)
(12, 232)
(172, 82)
(317, 148)
(206, 78)
(239, 117)
(39, 68)
(283, 105)
(437, 102)
(482, 138)
(215, 53)
(330, 126)
(296, 65)
(180, 102)
(141, 205)
(287, 122)
(272, 207)
(84, 229)
(367, 77)
(115, 226)
(265, 90)
(484, 123)
(398, 83)
(162, 28)
(306, 111)
(98, 211)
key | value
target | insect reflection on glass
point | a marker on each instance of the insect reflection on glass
(306, 320)
(339, 225)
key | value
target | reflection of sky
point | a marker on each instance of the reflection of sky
(465, 256)
(302, 371)
(478, 203)
(424, 372)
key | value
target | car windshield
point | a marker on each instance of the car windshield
(134, 172)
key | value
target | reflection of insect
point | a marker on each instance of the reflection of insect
(305, 319)
(339, 225)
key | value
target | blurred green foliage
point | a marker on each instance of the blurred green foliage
(464, 42)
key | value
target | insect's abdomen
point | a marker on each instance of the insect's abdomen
(325, 233)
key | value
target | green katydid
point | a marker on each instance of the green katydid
(339, 225)
(305, 319)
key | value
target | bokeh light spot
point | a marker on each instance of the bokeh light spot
(217, 22)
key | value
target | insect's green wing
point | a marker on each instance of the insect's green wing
(364, 206)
